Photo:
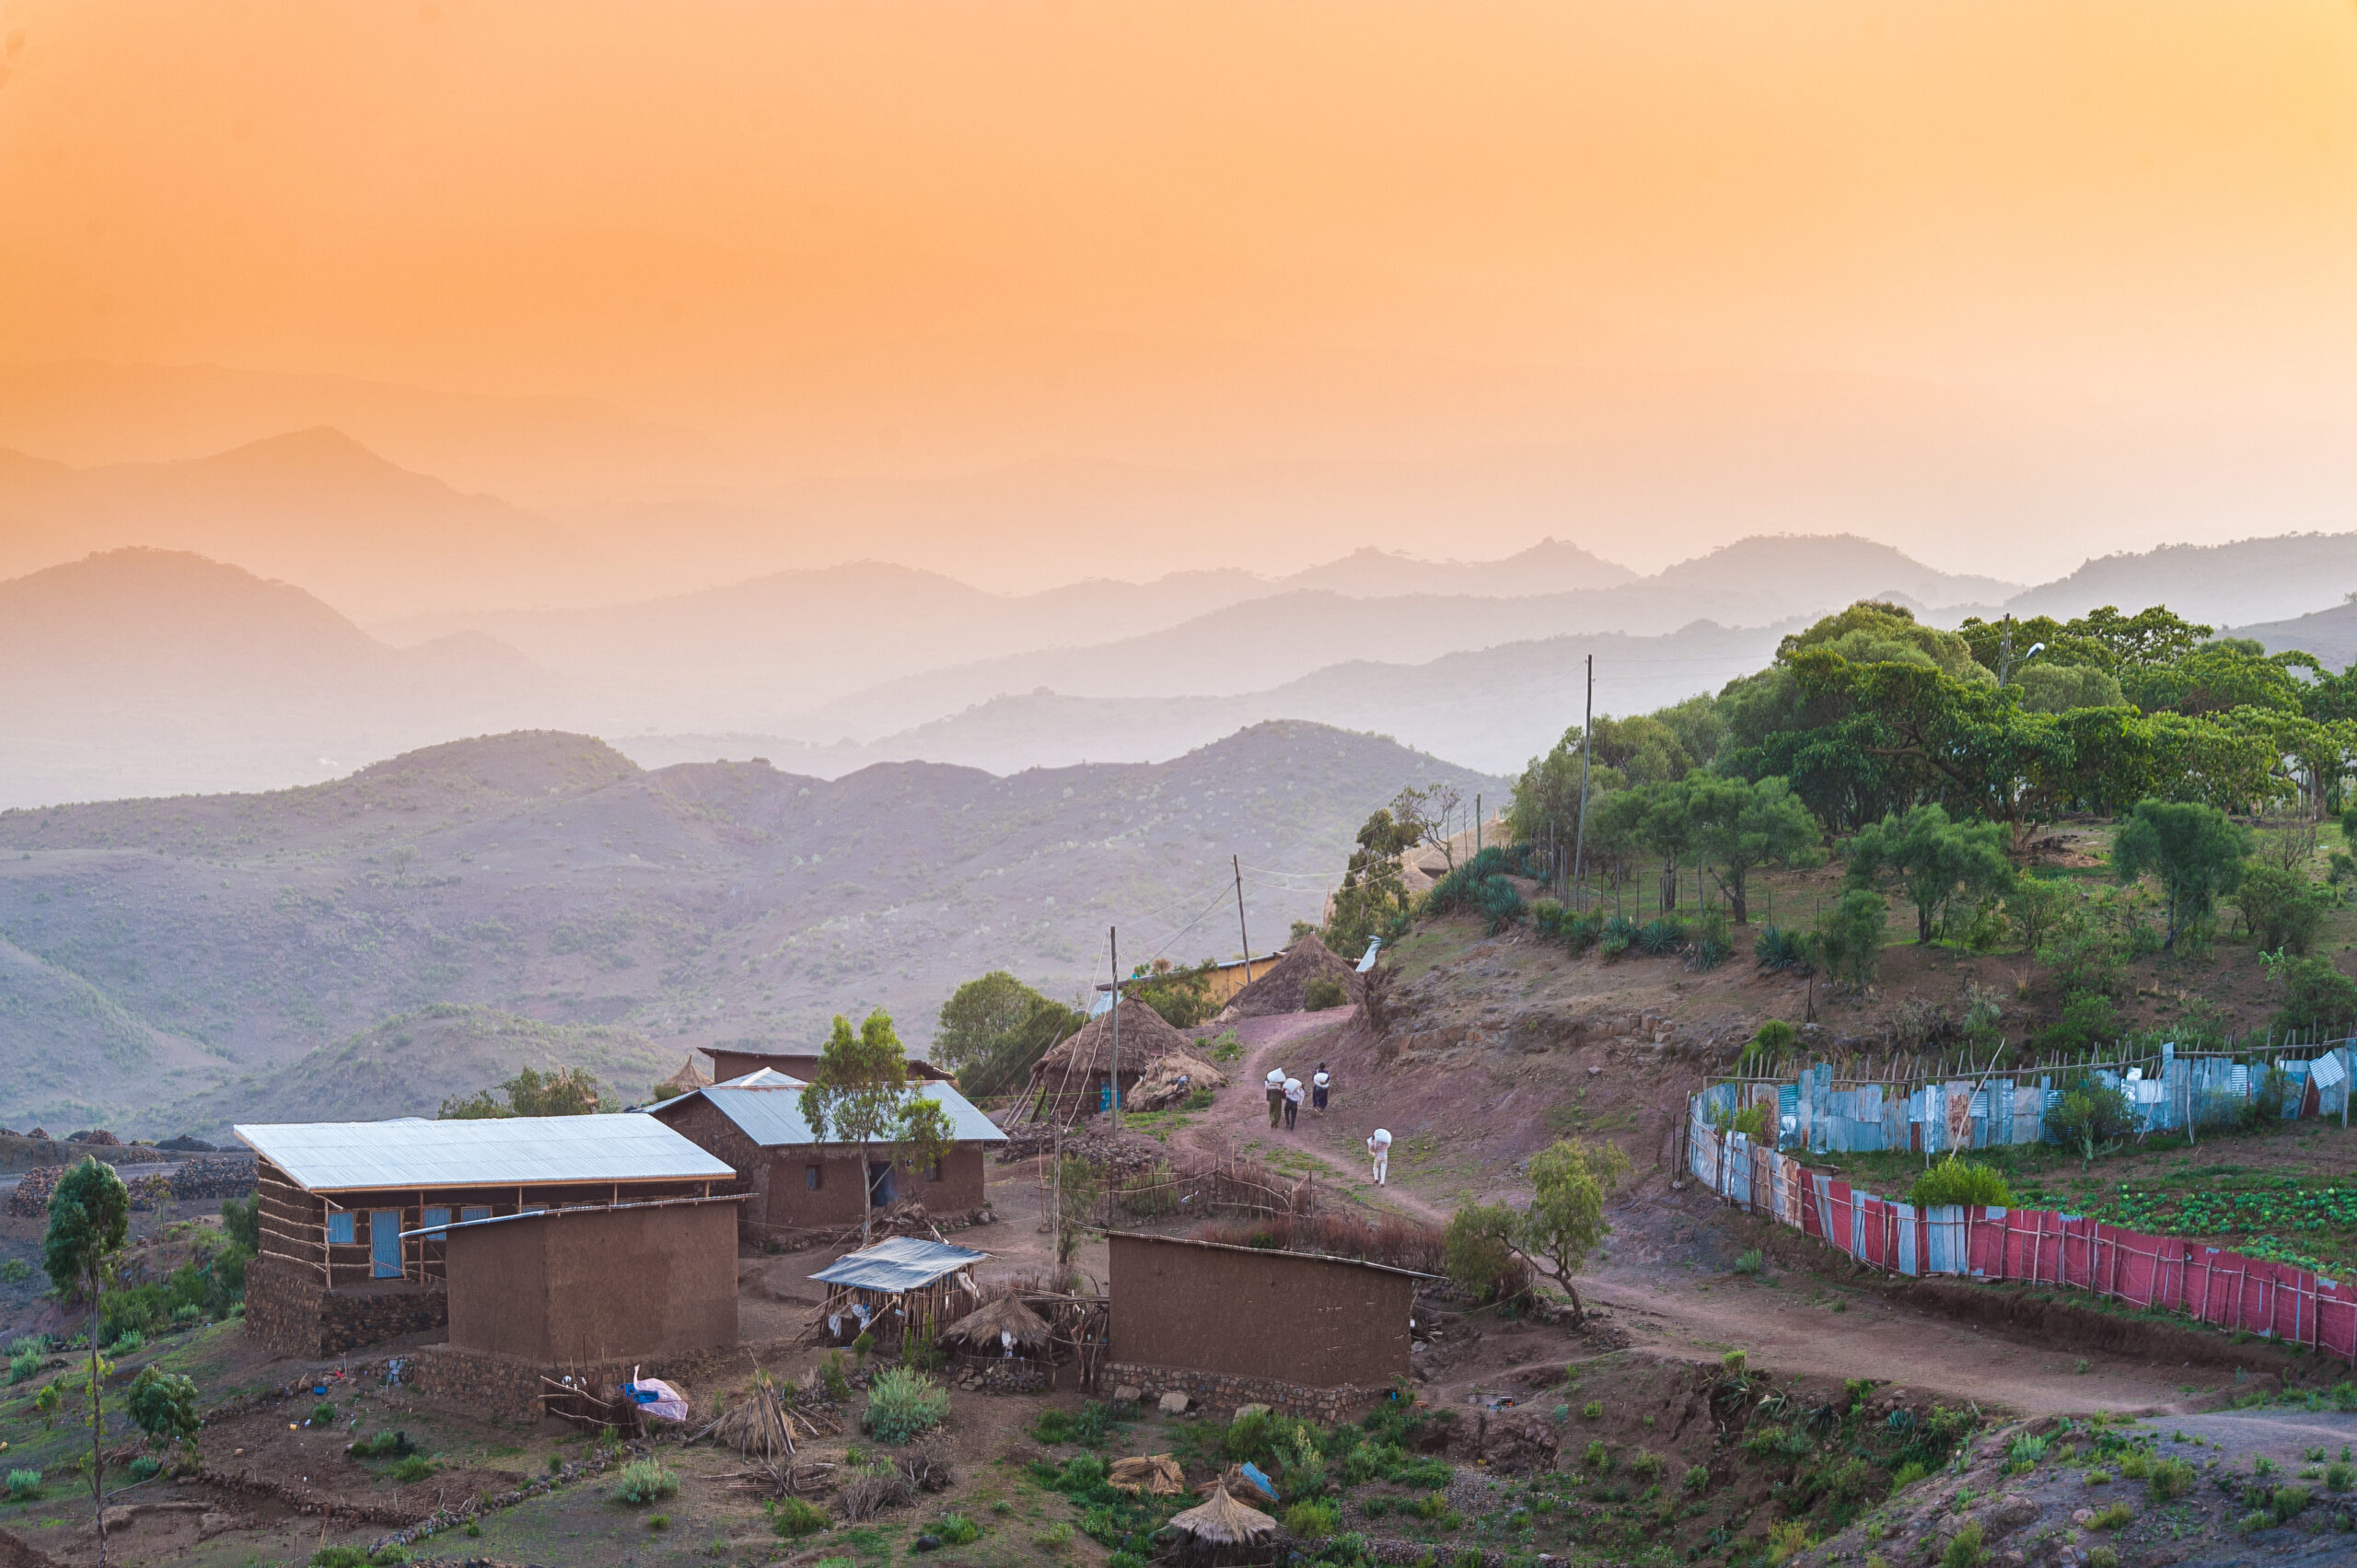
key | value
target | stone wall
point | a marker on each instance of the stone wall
(510, 1386)
(1225, 1391)
(288, 1309)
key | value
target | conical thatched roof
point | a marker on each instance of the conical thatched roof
(1145, 1035)
(689, 1077)
(1284, 988)
(1222, 1521)
(980, 1328)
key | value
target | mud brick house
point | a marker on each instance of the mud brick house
(372, 1229)
(794, 1183)
(1308, 1334)
(728, 1063)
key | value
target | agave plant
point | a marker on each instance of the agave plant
(1662, 936)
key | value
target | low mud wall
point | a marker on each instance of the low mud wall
(1221, 1390)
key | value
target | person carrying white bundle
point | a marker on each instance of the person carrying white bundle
(1292, 1101)
(1378, 1149)
(1276, 1082)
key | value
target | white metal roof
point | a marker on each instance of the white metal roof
(905, 1262)
(336, 1156)
(771, 1114)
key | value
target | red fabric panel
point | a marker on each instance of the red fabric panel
(1811, 1224)
(2208, 1285)
(2336, 1321)
(1985, 1254)
(2135, 1271)
(1845, 1205)
(1878, 1221)
(2078, 1254)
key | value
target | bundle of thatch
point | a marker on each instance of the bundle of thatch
(1286, 988)
(1170, 1079)
(979, 1330)
(1222, 1524)
(689, 1077)
(1156, 1475)
(1065, 1081)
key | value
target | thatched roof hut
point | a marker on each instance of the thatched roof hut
(980, 1330)
(1221, 1526)
(687, 1078)
(1070, 1079)
(1285, 989)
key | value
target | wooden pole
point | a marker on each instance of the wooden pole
(1113, 947)
(1238, 862)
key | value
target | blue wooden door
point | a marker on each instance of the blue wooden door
(385, 1243)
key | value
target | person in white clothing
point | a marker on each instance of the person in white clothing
(1378, 1149)
(1276, 1082)
(1319, 1082)
(1293, 1102)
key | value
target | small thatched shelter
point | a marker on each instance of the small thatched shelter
(1285, 989)
(1075, 1078)
(1151, 1475)
(688, 1078)
(1001, 1327)
(1222, 1530)
(1168, 1080)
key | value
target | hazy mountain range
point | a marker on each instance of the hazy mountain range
(257, 618)
(157, 952)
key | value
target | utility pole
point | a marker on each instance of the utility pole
(1477, 821)
(1237, 862)
(1579, 841)
(2005, 652)
(1113, 947)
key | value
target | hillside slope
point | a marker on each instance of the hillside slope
(546, 875)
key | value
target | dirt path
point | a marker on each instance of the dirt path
(1332, 1143)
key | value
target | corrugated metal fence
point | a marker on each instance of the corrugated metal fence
(2038, 1245)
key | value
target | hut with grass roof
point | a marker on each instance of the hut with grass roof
(1286, 988)
(1075, 1078)
(1221, 1530)
(689, 1077)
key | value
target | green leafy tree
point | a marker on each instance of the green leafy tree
(1425, 816)
(979, 1015)
(89, 1218)
(2192, 849)
(1667, 829)
(1934, 859)
(2035, 907)
(1566, 1222)
(1183, 996)
(2155, 635)
(1007, 1058)
(1847, 939)
(567, 1091)
(163, 1405)
(1374, 892)
(860, 1094)
(1738, 827)
(1481, 1246)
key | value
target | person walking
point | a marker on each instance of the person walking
(1378, 1149)
(1276, 1082)
(1293, 1102)
(1319, 1082)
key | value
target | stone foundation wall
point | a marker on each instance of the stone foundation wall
(1221, 1390)
(510, 1387)
(287, 1310)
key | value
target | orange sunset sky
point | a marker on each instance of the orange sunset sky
(1498, 248)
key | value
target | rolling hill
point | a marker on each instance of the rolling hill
(202, 939)
(2247, 581)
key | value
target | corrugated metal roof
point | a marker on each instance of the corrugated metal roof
(761, 1078)
(335, 1157)
(905, 1262)
(773, 1118)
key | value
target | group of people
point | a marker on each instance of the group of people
(1286, 1095)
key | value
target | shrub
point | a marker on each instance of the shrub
(2103, 1557)
(1909, 1474)
(412, 1469)
(15, 1272)
(1711, 942)
(1313, 1520)
(794, 1518)
(1787, 1540)
(1324, 991)
(641, 1482)
(1775, 948)
(2280, 909)
(323, 1414)
(903, 1404)
(1593, 1410)
(1646, 1464)
(1582, 932)
(21, 1367)
(2090, 1117)
(1660, 936)
(2339, 1476)
(1696, 1477)
(2316, 994)
(1480, 1244)
(1965, 1550)
(1953, 1181)
(955, 1529)
(1598, 1457)
(1056, 1537)
(23, 1485)
(130, 1340)
(1749, 1262)
(1847, 940)
(2119, 1515)
(384, 1445)
(2288, 1503)
(1776, 1042)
